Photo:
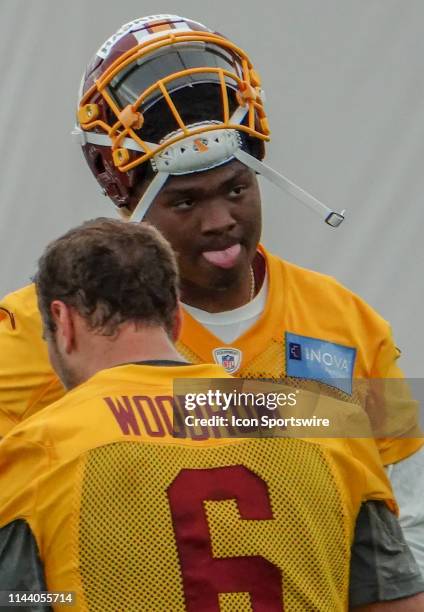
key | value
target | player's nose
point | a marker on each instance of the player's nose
(217, 217)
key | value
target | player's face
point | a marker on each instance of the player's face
(213, 221)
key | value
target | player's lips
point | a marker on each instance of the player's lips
(225, 258)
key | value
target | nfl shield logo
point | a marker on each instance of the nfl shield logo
(228, 358)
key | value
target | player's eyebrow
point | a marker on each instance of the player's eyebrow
(180, 188)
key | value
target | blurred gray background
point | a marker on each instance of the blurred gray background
(344, 89)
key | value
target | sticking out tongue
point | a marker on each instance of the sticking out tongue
(223, 259)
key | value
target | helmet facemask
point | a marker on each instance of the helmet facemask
(175, 64)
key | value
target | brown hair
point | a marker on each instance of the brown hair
(110, 272)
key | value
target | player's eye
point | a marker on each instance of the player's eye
(183, 204)
(237, 190)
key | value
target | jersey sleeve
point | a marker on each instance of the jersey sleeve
(27, 381)
(390, 405)
(392, 400)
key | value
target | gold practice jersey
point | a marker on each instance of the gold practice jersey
(27, 380)
(131, 518)
(312, 328)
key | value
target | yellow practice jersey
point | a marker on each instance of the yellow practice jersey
(312, 328)
(131, 518)
(27, 380)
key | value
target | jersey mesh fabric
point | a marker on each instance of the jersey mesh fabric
(128, 550)
(189, 355)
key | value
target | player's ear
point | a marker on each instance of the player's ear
(178, 322)
(63, 320)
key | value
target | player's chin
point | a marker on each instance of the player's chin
(210, 276)
(222, 279)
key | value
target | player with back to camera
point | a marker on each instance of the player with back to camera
(172, 124)
(98, 498)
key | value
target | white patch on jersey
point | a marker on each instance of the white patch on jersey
(228, 358)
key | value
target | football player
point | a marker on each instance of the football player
(172, 124)
(100, 499)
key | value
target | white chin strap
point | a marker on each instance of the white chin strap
(331, 217)
(148, 196)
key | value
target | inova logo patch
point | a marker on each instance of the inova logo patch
(316, 359)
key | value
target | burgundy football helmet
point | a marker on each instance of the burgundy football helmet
(166, 95)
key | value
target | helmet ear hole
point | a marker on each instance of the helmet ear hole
(112, 182)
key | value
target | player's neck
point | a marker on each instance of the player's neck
(130, 346)
(214, 299)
